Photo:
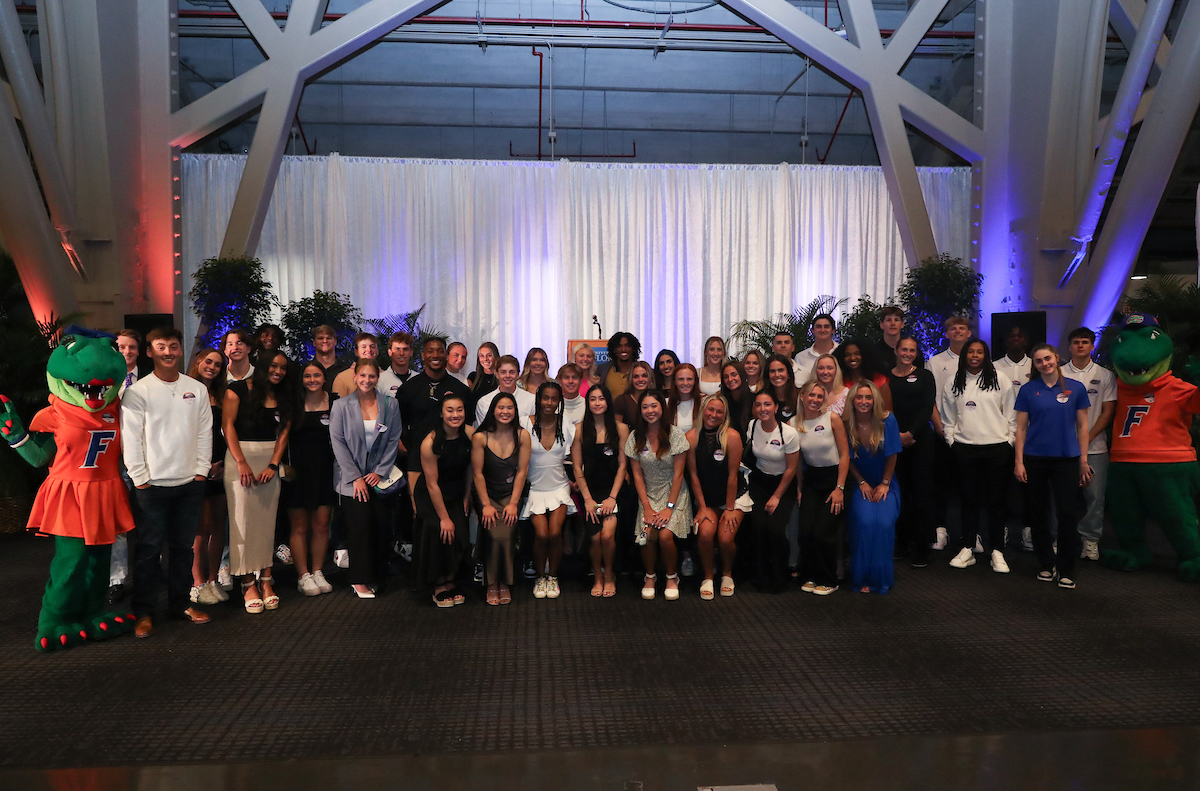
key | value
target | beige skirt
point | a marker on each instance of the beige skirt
(251, 511)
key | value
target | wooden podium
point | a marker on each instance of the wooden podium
(599, 346)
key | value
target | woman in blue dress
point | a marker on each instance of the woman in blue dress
(874, 439)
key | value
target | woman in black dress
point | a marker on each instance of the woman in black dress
(309, 498)
(714, 465)
(598, 455)
(209, 368)
(483, 378)
(500, 459)
(735, 388)
(913, 396)
(441, 501)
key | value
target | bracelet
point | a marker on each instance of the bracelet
(887, 481)
(841, 487)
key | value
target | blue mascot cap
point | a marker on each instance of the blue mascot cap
(1139, 320)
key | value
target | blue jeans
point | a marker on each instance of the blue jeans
(167, 521)
(1092, 523)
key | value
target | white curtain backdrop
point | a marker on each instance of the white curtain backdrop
(524, 254)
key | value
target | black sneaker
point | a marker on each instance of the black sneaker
(529, 571)
(478, 573)
(115, 594)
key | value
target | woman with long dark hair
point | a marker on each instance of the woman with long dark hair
(440, 498)
(980, 426)
(714, 466)
(256, 418)
(500, 452)
(665, 363)
(549, 500)
(683, 399)
(857, 362)
(208, 367)
(781, 383)
(773, 456)
(364, 430)
(658, 454)
(914, 393)
(1052, 458)
(826, 457)
(874, 442)
(483, 378)
(310, 498)
(738, 396)
(598, 455)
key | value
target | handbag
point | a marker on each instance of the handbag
(287, 473)
(393, 484)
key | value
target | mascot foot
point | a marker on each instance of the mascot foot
(110, 624)
(1189, 570)
(1123, 561)
(60, 637)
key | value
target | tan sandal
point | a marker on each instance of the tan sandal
(254, 605)
(270, 601)
(727, 586)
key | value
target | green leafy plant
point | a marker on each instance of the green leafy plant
(323, 307)
(411, 323)
(943, 286)
(747, 335)
(230, 293)
(862, 321)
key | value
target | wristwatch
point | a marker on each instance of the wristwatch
(273, 467)
(671, 506)
(841, 487)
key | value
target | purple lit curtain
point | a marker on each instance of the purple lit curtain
(524, 253)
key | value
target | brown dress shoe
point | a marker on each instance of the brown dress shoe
(195, 616)
(143, 628)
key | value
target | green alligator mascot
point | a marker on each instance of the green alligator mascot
(1153, 470)
(83, 503)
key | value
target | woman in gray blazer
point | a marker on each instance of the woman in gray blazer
(364, 428)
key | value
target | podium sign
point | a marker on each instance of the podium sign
(599, 346)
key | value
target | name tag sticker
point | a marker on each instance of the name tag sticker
(609, 451)
(719, 455)
(969, 405)
(775, 442)
(818, 428)
(324, 420)
(1150, 398)
(108, 419)
(188, 395)
(1062, 398)
(911, 379)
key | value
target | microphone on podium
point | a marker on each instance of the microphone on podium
(596, 321)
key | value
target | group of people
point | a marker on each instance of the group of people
(743, 463)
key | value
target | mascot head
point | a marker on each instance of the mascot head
(1142, 351)
(85, 370)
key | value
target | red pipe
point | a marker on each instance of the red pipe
(567, 23)
(838, 126)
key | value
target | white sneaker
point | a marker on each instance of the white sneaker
(308, 586)
(341, 558)
(202, 594)
(284, 553)
(322, 585)
(942, 539)
(686, 567)
(552, 590)
(963, 559)
(539, 588)
(224, 578)
(998, 563)
(978, 545)
(406, 552)
(217, 591)
(1027, 539)
(1091, 550)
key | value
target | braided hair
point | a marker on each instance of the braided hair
(537, 412)
(987, 376)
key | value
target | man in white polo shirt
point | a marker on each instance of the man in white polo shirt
(1101, 387)
(166, 433)
(822, 328)
(1015, 365)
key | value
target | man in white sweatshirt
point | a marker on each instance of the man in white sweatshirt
(570, 378)
(166, 432)
(508, 368)
(944, 365)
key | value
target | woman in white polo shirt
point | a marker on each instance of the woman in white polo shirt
(977, 415)
(773, 456)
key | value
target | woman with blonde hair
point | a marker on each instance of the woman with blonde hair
(827, 371)
(713, 360)
(822, 483)
(536, 371)
(874, 440)
(714, 467)
(627, 405)
(208, 367)
(584, 357)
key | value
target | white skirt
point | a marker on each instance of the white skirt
(251, 512)
(546, 502)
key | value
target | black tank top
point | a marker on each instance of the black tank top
(712, 468)
(454, 463)
(600, 464)
(499, 473)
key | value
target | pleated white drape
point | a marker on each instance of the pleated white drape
(524, 254)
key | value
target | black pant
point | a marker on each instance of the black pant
(367, 533)
(819, 527)
(946, 468)
(167, 518)
(768, 532)
(914, 470)
(1056, 477)
(985, 470)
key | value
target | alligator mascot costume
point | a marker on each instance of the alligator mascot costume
(1153, 470)
(83, 504)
